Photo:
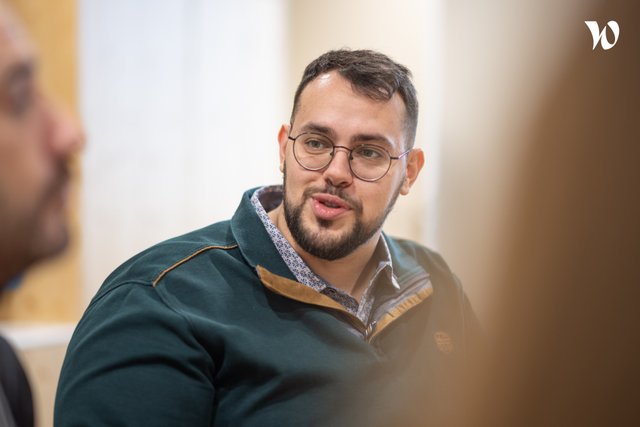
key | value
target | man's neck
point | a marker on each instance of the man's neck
(350, 274)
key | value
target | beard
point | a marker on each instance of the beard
(318, 243)
(34, 230)
(49, 222)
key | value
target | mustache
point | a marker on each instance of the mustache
(59, 181)
(334, 191)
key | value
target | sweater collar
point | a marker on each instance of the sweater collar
(254, 242)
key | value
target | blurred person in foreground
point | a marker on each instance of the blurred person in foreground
(37, 142)
(565, 333)
(296, 305)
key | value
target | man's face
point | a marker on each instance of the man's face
(329, 212)
(36, 143)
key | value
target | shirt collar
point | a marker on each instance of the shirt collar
(268, 198)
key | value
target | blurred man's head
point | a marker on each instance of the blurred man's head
(36, 143)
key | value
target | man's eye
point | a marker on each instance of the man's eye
(370, 153)
(317, 144)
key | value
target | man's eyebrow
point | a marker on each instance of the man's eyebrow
(318, 128)
(373, 137)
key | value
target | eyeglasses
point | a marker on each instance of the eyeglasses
(367, 162)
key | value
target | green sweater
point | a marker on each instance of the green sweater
(211, 329)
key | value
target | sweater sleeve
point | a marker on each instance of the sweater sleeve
(133, 361)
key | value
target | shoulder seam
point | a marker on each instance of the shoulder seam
(103, 292)
(193, 255)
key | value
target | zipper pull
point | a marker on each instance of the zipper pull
(370, 328)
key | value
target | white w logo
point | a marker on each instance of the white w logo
(602, 36)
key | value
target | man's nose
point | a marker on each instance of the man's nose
(338, 172)
(67, 136)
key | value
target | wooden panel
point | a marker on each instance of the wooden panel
(51, 291)
(42, 365)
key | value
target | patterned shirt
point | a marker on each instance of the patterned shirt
(267, 198)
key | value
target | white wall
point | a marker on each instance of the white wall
(182, 101)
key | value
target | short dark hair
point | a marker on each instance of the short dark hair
(372, 74)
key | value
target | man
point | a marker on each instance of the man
(36, 144)
(292, 311)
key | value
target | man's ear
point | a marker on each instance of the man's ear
(283, 138)
(415, 161)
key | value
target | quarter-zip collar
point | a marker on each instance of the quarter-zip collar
(412, 285)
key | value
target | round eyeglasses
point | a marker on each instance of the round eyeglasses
(367, 162)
